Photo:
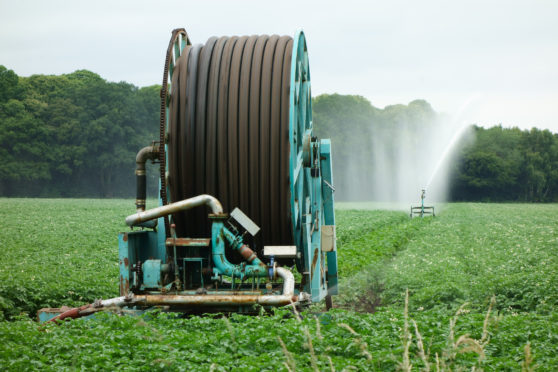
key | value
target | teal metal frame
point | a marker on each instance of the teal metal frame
(311, 198)
(329, 213)
(312, 204)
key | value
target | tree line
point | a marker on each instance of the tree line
(494, 164)
(76, 135)
(508, 164)
(73, 135)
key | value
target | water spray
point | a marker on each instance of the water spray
(422, 209)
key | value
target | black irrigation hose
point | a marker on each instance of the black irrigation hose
(229, 133)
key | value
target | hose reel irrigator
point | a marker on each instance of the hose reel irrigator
(246, 195)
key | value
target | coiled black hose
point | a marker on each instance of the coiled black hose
(229, 132)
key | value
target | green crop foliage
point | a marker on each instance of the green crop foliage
(478, 250)
(58, 252)
(64, 252)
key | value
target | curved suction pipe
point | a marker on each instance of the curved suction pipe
(196, 201)
(145, 154)
(288, 280)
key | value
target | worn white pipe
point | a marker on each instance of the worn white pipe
(288, 280)
(288, 296)
(282, 300)
(217, 300)
(117, 301)
(196, 201)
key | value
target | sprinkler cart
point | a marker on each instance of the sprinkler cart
(422, 210)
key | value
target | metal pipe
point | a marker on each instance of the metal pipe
(190, 292)
(142, 216)
(117, 301)
(237, 244)
(147, 153)
(286, 298)
(217, 300)
(288, 280)
(222, 265)
(256, 267)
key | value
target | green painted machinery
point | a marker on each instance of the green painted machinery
(246, 206)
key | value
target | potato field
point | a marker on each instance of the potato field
(475, 288)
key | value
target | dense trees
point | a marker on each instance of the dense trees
(508, 164)
(72, 135)
(77, 135)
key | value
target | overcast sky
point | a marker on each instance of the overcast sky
(486, 62)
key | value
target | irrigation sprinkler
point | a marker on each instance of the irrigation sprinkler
(422, 210)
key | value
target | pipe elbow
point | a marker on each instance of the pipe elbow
(196, 201)
(213, 203)
(288, 280)
(147, 153)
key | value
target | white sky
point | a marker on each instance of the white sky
(487, 62)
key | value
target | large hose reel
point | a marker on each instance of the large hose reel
(238, 125)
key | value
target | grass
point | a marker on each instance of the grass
(65, 252)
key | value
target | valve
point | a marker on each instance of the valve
(271, 268)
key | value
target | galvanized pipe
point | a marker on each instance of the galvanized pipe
(217, 300)
(142, 216)
(286, 298)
